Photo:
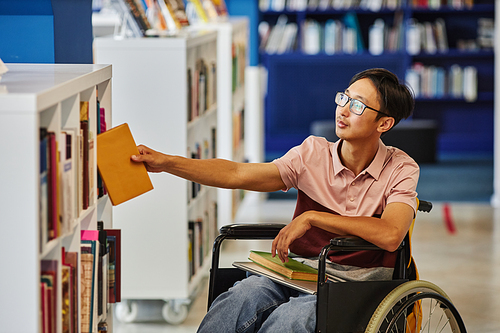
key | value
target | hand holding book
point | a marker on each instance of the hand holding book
(123, 180)
(153, 160)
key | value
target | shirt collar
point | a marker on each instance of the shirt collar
(375, 167)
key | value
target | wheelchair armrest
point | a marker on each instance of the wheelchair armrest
(346, 243)
(424, 206)
(351, 243)
(251, 230)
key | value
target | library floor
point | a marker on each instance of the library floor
(466, 263)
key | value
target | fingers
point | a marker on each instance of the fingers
(143, 152)
(280, 247)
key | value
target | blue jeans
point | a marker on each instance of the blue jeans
(257, 304)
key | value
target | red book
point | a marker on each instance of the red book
(115, 254)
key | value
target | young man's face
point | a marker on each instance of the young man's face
(350, 126)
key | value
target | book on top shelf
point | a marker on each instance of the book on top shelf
(124, 179)
(292, 269)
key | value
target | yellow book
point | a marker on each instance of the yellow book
(123, 178)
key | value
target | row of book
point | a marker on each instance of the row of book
(331, 37)
(438, 82)
(371, 5)
(100, 283)
(428, 37)
(337, 36)
(201, 88)
(384, 38)
(67, 185)
(201, 234)
(437, 4)
(157, 17)
(485, 37)
(323, 5)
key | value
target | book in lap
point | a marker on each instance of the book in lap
(292, 269)
(123, 178)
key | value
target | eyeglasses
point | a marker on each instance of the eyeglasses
(357, 107)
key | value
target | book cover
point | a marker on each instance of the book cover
(48, 273)
(84, 126)
(49, 310)
(44, 189)
(292, 269)
(67, 182)
(114, 238)
(86, 270)
(123, 178)
(52, 185)
(91, 247)
(139, 14)
(66, 297)
(70, 259)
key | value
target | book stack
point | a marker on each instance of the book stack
(437, 82)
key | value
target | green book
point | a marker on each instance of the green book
(292, 269)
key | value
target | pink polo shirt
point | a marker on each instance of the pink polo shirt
(324, 184)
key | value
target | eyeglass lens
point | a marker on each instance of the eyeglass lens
(355, 106)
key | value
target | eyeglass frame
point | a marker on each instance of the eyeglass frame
(351, 100)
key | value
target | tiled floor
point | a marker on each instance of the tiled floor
(466, 264)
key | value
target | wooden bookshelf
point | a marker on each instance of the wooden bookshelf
(34, 97)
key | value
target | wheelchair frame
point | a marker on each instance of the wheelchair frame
(371, 301)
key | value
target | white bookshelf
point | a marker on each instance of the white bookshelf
(150, 94)
(34, 96)
(232, 52)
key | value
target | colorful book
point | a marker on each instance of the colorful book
(86, 270)
(114, 240)
(70, 259)
(292, 269)
(123, 178)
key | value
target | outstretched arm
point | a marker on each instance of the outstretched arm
(262, 177)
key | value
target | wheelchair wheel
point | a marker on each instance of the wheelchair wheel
(416, 306)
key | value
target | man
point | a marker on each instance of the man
(355, 186)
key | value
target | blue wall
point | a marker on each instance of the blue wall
(46, 31)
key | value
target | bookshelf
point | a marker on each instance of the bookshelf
(171, 227)
(48, 96)
(299, 80)
(232, 40)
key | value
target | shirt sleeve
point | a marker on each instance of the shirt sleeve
(404, 183)
(300, 160)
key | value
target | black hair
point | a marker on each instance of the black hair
(395, 98)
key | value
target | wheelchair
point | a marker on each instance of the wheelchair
(403, 304)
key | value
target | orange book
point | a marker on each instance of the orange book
(123, 178)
